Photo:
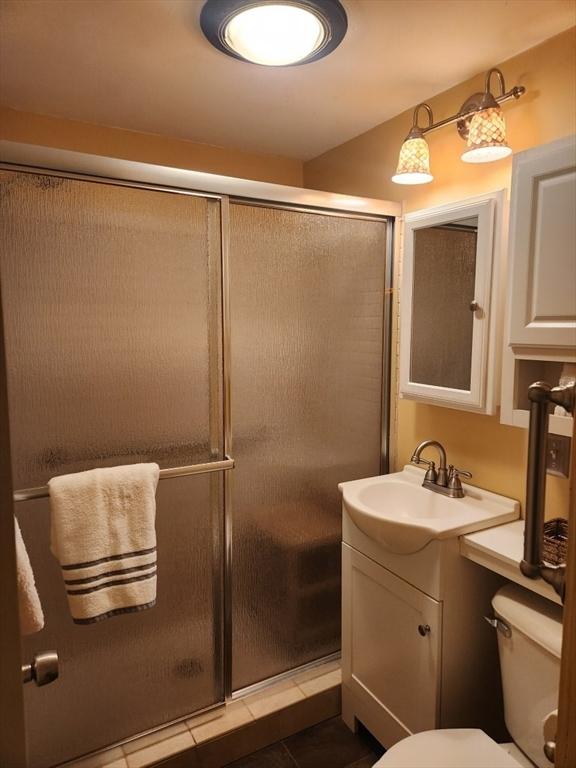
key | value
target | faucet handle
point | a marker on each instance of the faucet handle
(431, 474)
(453, 471)
(454, 483)
(417, 460)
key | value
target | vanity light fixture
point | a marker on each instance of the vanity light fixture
(414, 160)
(480, 123)
(274, 33)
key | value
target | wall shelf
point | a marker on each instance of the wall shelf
(500, 549)
(522, 369)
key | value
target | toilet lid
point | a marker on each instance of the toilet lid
(450, 748)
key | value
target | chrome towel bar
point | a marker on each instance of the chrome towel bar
(27, 494)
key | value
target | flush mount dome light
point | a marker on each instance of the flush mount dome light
(274, 33)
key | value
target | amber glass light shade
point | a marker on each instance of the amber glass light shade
(414, 162)
(486, 137)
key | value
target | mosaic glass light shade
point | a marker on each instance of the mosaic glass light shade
(414, 162)
(486, 137)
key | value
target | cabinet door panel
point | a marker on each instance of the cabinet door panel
(384, 655)
(449, 307)
(543, 246)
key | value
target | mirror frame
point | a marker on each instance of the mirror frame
(482, 395)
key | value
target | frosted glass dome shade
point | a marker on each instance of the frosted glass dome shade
(275, 35)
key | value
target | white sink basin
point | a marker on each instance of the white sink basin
(396, 511)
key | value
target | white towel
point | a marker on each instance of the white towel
(103, 534)
(31, 615)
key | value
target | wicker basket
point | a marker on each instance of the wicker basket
(555, 541)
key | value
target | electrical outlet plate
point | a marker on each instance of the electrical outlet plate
(558, 455)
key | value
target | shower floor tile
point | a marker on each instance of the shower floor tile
(327, 745)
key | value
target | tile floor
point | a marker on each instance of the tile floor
(170, 741)
(327, 745)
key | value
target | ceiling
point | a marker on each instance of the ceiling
(145, 65)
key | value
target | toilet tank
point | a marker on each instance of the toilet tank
(529, 665)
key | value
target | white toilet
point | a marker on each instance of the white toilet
(529, 643)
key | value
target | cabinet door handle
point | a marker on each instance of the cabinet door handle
(424, 629)
(474, 306)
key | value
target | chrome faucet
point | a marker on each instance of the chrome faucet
(444, 480)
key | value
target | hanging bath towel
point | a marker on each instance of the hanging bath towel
(103, 534)
(31, 615)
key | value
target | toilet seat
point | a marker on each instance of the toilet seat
(449, 748)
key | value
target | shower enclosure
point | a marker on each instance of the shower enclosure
(145, 321)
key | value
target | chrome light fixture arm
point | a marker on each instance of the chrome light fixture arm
(416, 131)
(541, 395)
(471, 105)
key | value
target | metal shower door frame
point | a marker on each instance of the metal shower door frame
(93, 168)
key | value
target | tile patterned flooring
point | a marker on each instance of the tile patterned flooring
(327, 745)
(174, 739)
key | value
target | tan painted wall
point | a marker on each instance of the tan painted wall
(495, 453)
(146, 147)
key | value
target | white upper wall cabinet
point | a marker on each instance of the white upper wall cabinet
(540, 341)
(449, 305)
(543, 246)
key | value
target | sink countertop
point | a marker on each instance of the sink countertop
(500, 549)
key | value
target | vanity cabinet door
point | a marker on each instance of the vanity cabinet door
(543, 246)
(389, 657)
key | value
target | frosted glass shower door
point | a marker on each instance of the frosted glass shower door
(112, 309)
(307, 297)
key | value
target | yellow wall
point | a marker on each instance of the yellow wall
(495, 453)
(146, 147)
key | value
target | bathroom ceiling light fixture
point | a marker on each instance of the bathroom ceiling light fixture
(274, 33)
(480, 123)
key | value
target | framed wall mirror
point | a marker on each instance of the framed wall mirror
(449, 306)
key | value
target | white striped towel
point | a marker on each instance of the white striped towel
(103, 533)
(31, 615)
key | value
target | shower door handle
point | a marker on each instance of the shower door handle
(43, 669)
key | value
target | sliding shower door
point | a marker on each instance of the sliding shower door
(111, 298)
(116, 354)
(307, 297)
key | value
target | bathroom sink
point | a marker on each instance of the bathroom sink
(397, 512)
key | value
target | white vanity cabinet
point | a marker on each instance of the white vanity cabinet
(417, 653)
(541, 324)
(392, 646)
